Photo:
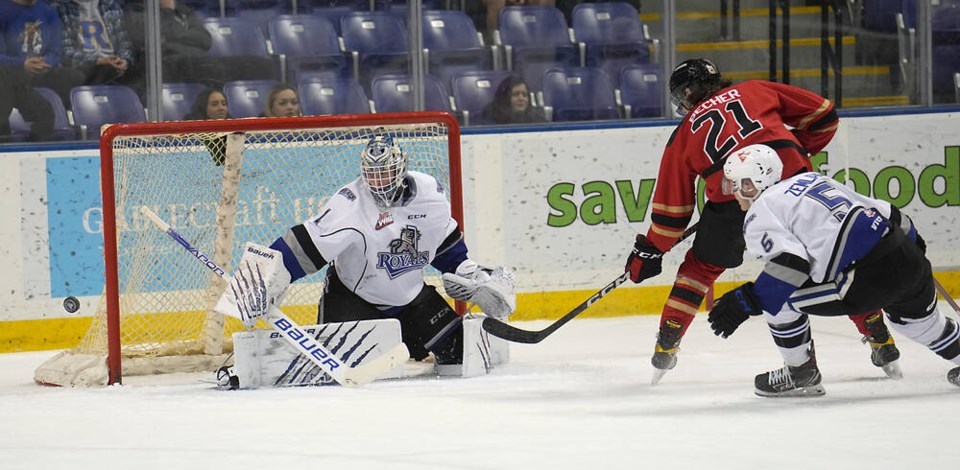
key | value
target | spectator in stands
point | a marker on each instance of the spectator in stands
(511, 104)
(17, 93)
(210, 104)
(31, 33)
(184, 43)
(95, 41)
(282, 101)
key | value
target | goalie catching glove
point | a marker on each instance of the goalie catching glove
(258, 283)
(490, 288)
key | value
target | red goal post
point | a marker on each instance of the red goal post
(220, 184)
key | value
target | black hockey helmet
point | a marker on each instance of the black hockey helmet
(701, 76)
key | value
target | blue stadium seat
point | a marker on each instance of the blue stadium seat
(20, 129)
(260, 16)
(473, 91)
(378, 43)
(612, 35)
(641, 90)
(453, 45)
(332, 14)
(392, 94)
(319, 97)
(306, 43)
(538, 39)
(246, 98)
(579, 94)
(240, 46)
(96, 105)
(232, 37)
(178, 98)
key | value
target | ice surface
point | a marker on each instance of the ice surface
(581, 399)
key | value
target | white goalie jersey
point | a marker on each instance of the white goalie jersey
(817, 219)
(380, 253)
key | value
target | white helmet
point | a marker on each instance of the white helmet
(757, 163)
(383, 167)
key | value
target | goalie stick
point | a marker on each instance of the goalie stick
(511, 333)
(294, 334)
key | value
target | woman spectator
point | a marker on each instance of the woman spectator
(511, 104)
(210, 104)
(282, 101)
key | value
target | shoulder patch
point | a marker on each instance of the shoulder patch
(439, 187)
(347, 193)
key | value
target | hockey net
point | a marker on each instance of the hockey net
(219, 184)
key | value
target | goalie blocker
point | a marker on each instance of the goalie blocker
(263, 359)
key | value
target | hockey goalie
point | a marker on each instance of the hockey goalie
(377, 234)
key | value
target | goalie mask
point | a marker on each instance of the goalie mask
(751, 170)
(383, 167)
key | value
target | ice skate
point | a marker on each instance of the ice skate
(802, 381)
(883, 350)
(665, 353)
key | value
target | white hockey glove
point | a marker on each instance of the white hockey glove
(259, 282)
(492, 289)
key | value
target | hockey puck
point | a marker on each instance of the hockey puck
(71, 304)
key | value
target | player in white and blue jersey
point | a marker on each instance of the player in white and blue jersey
(827, 251)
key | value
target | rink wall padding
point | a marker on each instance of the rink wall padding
(560, 206)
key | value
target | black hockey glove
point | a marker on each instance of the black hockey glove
(733, 309)
(644, 261)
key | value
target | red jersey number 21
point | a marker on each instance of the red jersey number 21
(716, 119)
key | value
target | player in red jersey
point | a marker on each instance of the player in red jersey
(719, 118)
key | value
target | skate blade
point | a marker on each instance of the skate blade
(804, 392)
(658, 375)
(892, 370)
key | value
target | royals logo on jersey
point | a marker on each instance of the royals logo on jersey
(403, 256)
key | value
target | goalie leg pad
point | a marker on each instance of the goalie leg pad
(481, 352)
(264, 359)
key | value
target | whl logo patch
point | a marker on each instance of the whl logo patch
(385, 219)
(403, 256)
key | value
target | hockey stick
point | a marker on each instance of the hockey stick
(511, 333)
(294, 334)
(946, 296)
